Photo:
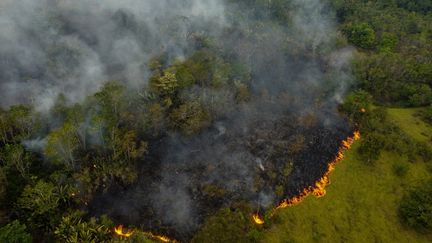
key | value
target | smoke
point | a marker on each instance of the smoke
(297, 71)
(36, 145)
(50, 47)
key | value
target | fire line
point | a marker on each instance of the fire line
(162, 238)
(318, 189)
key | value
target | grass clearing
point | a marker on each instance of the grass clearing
(410, 122)
(361, 204)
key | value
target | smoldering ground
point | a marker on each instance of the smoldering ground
(283, 137)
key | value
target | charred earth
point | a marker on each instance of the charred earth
(274, 160)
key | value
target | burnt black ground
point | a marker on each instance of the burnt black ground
(179, 166)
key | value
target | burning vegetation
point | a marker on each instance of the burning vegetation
(119, 231)
(318, 189)
(160, 238)
(257, 219)
(224, 103)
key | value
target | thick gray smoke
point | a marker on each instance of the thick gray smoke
(48, 47)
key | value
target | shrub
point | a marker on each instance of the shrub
(424, 151)
(416, 208)
(388, 42)
(400, 169)
(370, 148)
(73, 228)
(227, 225)
(422, 96)
(357, 104)
(15, 233)
(427, 114)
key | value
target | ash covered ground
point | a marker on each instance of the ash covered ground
(189, 179)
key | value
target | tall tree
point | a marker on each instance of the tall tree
(14, 156)
(62, 143)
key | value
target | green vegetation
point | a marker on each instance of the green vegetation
(53, 165)
(361, 35)
(394, 40)
(227, 225)
(410, 121)
(416, 208)
(72, 228)
(363, 202)
(101, 143)
(14, 232)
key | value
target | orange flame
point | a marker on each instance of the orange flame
(119, 231)
(356, 135)
(161, 238)
(257, 219)
(318, 190)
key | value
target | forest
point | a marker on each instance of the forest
(205, 121)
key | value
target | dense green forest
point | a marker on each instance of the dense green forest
(60, 166)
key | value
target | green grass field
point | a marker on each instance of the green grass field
(411, 123)
(362, 201)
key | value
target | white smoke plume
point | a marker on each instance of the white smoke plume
(48, 47)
